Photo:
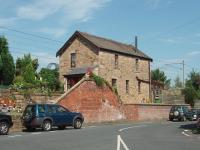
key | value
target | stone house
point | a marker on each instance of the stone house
(123, 66)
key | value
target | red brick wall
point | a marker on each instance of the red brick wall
(97, 104)
(101, 104)
(146, 111)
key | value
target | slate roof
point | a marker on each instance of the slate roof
(82, 70)
(107, 45)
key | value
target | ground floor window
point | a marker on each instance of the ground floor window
(127, 86)
(139, 87)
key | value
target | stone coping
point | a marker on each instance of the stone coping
(155, 104)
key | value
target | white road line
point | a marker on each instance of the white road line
(185, 134)
(52, 131)
(12, 136)
(186, 130)
(120, 130)
(119, 141)
(92, 126)
(36, 133)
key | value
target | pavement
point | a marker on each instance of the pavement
(121, 136)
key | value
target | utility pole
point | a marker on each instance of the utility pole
(183, 63)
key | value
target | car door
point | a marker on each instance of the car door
(65, 115)
(52, 113)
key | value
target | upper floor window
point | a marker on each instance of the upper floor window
(127, 86)
(73, 60)
(137, 64)
(114, 82)
(116, 61)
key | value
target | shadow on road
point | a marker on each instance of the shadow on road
(192, 127)
(189, 126)
(40, 130)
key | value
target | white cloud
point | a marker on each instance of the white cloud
(63, 12)
(153, 4)
(176, 40)
(44, 58)
(72, 10)
(56, 32)
(194, 53)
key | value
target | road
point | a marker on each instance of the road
(134, 136)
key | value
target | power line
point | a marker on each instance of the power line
(176, 28)
(30, 34)
(20, 52)
(25, 38)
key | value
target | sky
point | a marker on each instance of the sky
(168, 30)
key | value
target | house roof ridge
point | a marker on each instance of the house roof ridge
(107, 39)
(106, 44)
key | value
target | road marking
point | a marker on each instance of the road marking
(185, 134)
(52, 131)
(92, 126)
(12, 136)
(186, 130)
(120, 130)
(36, 133)
(119, 142)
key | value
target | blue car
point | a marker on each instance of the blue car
(46, 116)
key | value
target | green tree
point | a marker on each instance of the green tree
(158, 75)
(51, 78)
(7, 67)
(29, 74)
(178, 83)
(192, 88)
(26, 74)
(22, 63)
(1, 67)
(18, 67)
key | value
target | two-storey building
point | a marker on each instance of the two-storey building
(122, 65)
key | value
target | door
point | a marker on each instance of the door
(65, 115)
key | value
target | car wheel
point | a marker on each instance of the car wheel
(47, 125)
(171, 119)
(78, 123)
(61, 127)
(4, 128)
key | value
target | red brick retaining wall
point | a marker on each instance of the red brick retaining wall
(101, 104)
(98, 104)
(143, 112)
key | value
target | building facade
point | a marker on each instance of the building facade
(125, 67)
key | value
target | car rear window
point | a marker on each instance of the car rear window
(30, 110)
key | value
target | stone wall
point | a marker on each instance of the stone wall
(126, 70)
(197, 103)
(19, 100)
(173, 96)
(85, 56)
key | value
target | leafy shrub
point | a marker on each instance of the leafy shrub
(98, 80)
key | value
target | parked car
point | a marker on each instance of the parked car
(46, 116)
(198, 121)
(5, 123)
(193, 114)
(180, 112)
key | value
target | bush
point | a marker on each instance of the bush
(98, 80)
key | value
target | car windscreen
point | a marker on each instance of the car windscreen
(30, 111)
